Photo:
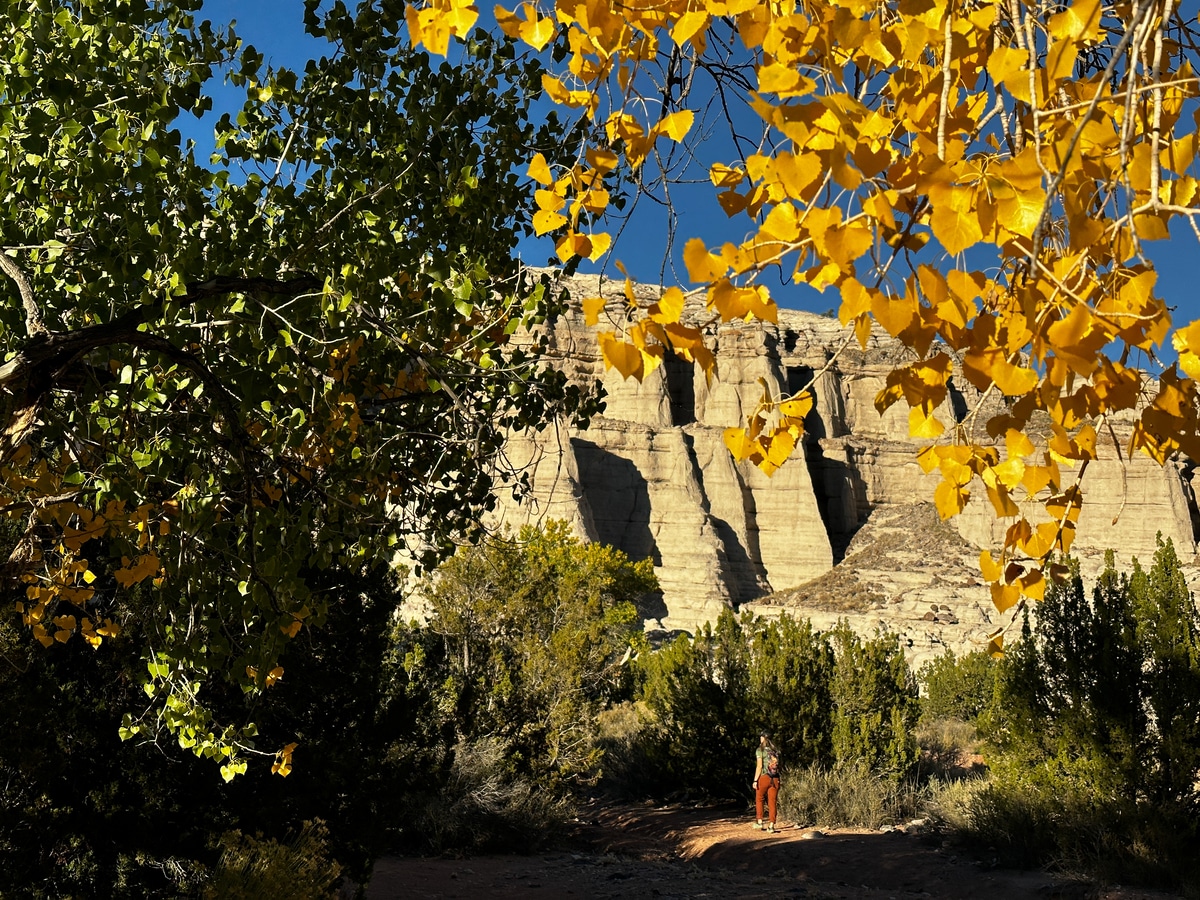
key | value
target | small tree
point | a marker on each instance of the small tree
(956, 687)
(1168, 637)
(525, 643)
(790, 688)
(875, 703)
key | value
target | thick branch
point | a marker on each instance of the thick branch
(33, 316)
(57, 347)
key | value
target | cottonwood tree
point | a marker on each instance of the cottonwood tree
(979, 178)
(221, 374)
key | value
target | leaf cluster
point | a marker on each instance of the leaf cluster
(220, 376)
(981, 181)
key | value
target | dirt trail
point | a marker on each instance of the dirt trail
(620, 851)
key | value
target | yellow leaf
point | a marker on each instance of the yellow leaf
(995, 647)
(989, 567)
(545, 221)
(1033, 585)
(1017, 444)
(1036, 478)
(725, 176)
(856, 300)
(508, 22)
(624, 357)
(536, 31)
(862, 330)
(783, 443)
(1151, 227)
(1060, 59)
(600, 242)
(924, 426)
(676, 125)
(1010, 472)
(1001, 502)
(1013, 381)
(283, 761)
(797, 407)
(592, 307)
(292, 628)
(1007, 66)
(702, 266)
(1005, 596)
(1080, 22)
(687, 26)
(950, 499)
(1021, 212)
(669, 306)
(954, 220)
(739, 443)
(539, 170)
(784, 81)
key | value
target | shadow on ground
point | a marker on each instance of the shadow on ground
(618, 851)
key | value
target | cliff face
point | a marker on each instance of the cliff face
(844, 529)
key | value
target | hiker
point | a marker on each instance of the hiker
(766, 780)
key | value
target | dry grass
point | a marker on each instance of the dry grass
(847, 797)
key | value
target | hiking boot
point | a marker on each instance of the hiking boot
(770, 827)
(758, 825)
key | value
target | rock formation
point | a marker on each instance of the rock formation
(844, 529)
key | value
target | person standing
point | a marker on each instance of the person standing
(766, 781)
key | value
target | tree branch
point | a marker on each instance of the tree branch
(33, 316)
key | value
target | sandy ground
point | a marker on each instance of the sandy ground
(619, 851)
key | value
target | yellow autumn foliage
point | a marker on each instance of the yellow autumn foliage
(978, 178)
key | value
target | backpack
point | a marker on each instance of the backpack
(771, 764)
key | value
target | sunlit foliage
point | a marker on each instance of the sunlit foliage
(978, 178)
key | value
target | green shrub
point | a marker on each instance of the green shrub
(956, 687)
(251, 868)
(1029, 824)
(1093, 734)
(826, 699)
(875, 705)
(526, 644)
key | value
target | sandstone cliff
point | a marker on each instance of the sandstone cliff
(844, 529)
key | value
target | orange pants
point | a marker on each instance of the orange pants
(767, 787)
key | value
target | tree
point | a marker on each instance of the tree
(1108, 691)
(1168, 638)
(220, 377)
(829, 700)
(978, 178)
(527, 641)
(84, 814)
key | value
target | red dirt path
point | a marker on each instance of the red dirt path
(619, 851)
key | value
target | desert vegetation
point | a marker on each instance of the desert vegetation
(1090, 726)
(234, 388)
(530, 685)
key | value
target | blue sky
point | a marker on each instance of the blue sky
(275, 28)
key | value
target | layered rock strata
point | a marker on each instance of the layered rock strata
(652, 476)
